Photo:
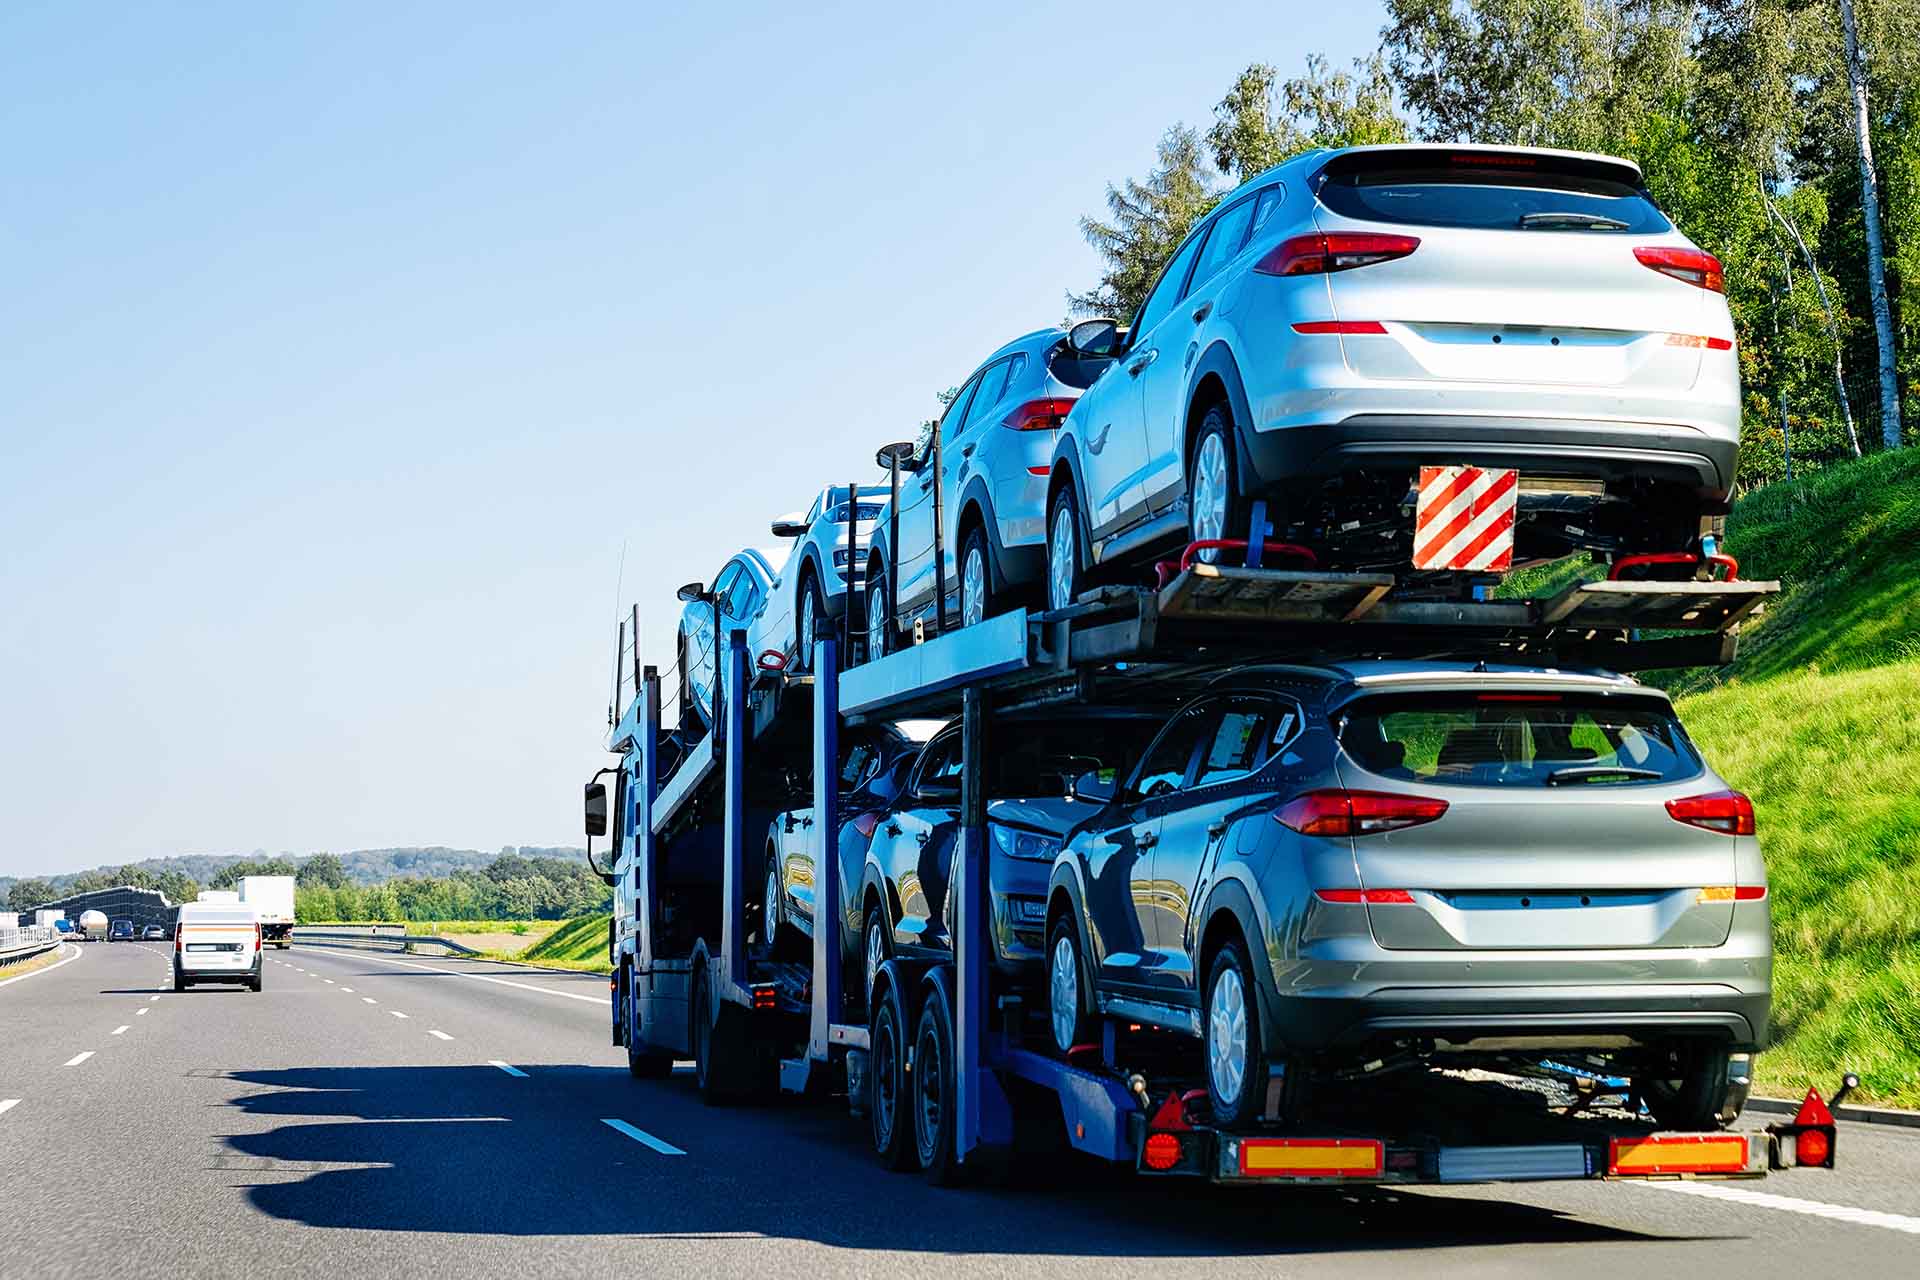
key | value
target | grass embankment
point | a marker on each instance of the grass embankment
(576, 944)
(21, 967)
(1818, 720)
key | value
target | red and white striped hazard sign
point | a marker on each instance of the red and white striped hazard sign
(1464, 518)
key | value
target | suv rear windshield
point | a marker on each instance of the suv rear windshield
(1503, 192)
(1518, 740)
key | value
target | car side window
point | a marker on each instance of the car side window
(939, 768)
(723, 586)
(986, 395)
(813, 512)
(1164, 767)
(1269, 200)
(1173, 284)
(1239, 741)
(1016, 365)
(1224, 240)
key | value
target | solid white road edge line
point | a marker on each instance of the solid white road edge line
(1792, 1204)
(79, 1058)
(439, 1035)
(642, 1137)
(512, 1071)
(77, 953)
(481, 977)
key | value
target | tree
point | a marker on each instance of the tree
(1322, 108)
(322, 870)
(1149, 219)
(1876, 247)
(25, 895)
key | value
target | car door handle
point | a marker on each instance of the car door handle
(892, 828)
(1202, 311)
(1135, 366)
(1145, 839)
(1217, 829)
(923, 837)
(967, 452)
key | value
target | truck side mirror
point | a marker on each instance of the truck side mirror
(596, 808)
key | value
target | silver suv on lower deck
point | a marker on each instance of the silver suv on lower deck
(1416, 865)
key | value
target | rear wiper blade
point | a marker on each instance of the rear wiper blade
(1582, 772)
(1589, 221)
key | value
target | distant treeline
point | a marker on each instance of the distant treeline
(511, 887)
(181, 878)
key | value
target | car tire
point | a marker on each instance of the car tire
(1689, 1090)
(931, 1090)
(1235, 1051)
(254, 983)
(876, 948)
(1214, 509)
(1067, 979)
(889, 1126)
(1066, 576)
(780, 936)
(879, 620)
(976, 578)
(813, 608)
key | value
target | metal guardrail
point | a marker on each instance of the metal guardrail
(23, 944)
(370, 939)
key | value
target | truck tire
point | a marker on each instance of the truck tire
(931, 1092)
(1688, 1090)
(722, 1052)
(890, 1126)
(643, 1063)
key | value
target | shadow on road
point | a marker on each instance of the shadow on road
(470, 1150)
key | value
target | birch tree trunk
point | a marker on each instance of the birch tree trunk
(1876, 253)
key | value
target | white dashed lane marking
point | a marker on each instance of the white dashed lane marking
(150, 999)
(139, 1013)
(642, 1137)
(396, 1013)
(512, 1071)
(368, 1000)
(8, 1104)
(439, 1035)
(1792, 1204)
(79, 1058)
(119, 1031)
(348, 990)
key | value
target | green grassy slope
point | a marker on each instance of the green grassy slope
(1819, 721)
(578, 944)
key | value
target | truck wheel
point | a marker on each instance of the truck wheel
(642, 1063)
(1687, 1089)
(1235, 1050)
(700, 1014)
(1069, 994)
(930, 1089)
(887, 1087)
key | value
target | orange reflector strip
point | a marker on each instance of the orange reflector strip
(1679, 1153)
(1311, 1157)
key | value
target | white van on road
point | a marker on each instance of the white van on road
(216, 942)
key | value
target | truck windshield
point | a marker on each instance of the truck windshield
(1518, 740)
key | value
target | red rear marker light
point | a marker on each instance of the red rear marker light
(1339, 326)
(1162, 1152)
(1316, 254)
(1036, 471)
(1039, 415)
(1378, 897)
(1691, 266)
(1337, 812)
(1727, 812)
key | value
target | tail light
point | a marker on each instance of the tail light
(1690, 266)
(1727, 812)
(1335, 811)
(1376, 897)
(1318, 253)
(1039, 415)
(1339, 326)
(257, 944)
(179, 943)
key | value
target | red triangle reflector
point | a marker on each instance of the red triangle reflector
(1171, 1117)
(1814, 1110)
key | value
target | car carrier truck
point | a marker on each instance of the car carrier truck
(954, 1070)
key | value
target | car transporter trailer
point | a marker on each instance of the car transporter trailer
(975, 1087)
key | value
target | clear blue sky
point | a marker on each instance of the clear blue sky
(343, 345)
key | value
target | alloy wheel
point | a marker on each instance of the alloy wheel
(973, 587)
(877, 620)
(807, 626)
(876, 952)
(1210, 494)
(1227, 1036)
(772, 910)
(1064, 989)
(1062, 547)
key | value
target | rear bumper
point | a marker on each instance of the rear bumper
(1505, 1015)
(1611, 451)
(217, 975)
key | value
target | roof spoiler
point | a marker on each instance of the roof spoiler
(1464, 158)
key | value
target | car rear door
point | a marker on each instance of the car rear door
(1539, 847)
(217, 945)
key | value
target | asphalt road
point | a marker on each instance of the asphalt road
(313, 1129)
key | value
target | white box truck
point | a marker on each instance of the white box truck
(49, 917)
(271, 897)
